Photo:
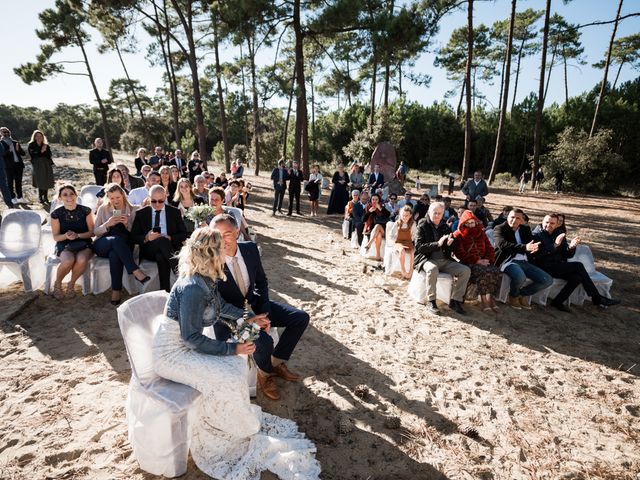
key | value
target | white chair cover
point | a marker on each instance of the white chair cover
(51, 267)
(157, 409)
(345, 228)
(418, 287)
(371, 253)
(21, 257)
(391, 255)
(88, 196)
(601, 281)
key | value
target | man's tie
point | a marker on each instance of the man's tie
(237, 276)
(156, 222)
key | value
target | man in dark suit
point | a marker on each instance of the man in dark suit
(160, 232)
(179, 161)
(246, 280)
(514, 245)
(295, 186)
(158, 159)
(279, 176)
(376, 179)
(475, 188)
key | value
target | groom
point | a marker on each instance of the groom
(246, 279)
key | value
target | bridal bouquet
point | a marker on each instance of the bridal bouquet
(242, 330)
(199, 214)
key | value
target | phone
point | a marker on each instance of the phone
(156, 230)
(117, 212)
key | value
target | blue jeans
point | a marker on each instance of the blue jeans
(4, 185)
(519, 271)
(120, 256)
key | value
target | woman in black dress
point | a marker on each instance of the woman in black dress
(140, 160)
(313, 189)
(40, 153)
(340, 193)
(72, 228)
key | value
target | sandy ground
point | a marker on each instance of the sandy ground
(550, 395)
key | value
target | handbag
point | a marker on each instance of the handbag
(77, 245)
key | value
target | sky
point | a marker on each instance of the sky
(22, 45)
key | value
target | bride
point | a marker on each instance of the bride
(231, 438)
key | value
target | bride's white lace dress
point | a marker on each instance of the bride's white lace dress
(231, 438)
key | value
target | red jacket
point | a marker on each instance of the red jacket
(472, 243)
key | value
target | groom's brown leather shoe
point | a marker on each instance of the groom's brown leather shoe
(283, 372)
(268, 386)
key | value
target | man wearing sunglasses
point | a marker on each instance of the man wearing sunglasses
(160, 232)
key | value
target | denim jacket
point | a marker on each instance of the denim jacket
(194, 302)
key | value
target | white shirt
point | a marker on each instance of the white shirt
(138, 195)
(163, 220)
(243, 268)
(519, 256)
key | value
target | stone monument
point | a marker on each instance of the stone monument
(385, 156)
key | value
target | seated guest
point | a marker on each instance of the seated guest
(562, 225)
(402, 234)
(245, 191)
(200, 187)
(139, 196)
(221, 180)
(406, 200)
(348, 210)
(175, 174)
(195, 166)
(474, 250)
(454, 222)
(514, 246)
(246, 280)
(357, 215)
(500, 219)
(129, 182)
(421, 207)
(140, 160)
(144, 173)
(449, 211)
(113, 238)
(482, 213)
(375, 220)
(160, 231)
(552, 258)
(72, 229)
(113, 176)
(434, 245)
(216, 200)
(166, 181)
(232, 197)
(183, 200)
(392, 206)
(209, 179)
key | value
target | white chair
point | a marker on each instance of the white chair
(157, 409)
(391, 255)
(354, 240)
(88, 196)
(371, 253)
(345, 228)
(236, 212)
(418, 287)
(601, 281)
(51, 266)
(20, 255)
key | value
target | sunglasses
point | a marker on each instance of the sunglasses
(157, 201)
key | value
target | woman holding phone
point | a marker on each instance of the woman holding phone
(113, 238)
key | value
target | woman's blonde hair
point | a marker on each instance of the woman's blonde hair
(177, 197)
(33, 137)
(113, 188)
(406, 208)
(203, 253)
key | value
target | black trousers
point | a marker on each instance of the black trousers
(294, 194)
(100, 176)
(294, 322)
(575, 274)
(278, 197)
(14, 180)
(161, 251)
(359, 231)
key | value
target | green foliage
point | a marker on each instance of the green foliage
(385, 129)
(590, 164)
(158, 132)
(239, 152)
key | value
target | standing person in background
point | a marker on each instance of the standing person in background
(140, 160)
(279, 178)
(339, 194)
(296, 178)
(4, 186)
(376, 179)
(559, 181)
(239, 171)
(476, 187)
(42, 162)
(356, 178)
(100, 158)
(539, 178)
(157, 159)
(194, 166)
(13, 164)
(525, 178)
(313, 189)
(180, 163)
(401, 172)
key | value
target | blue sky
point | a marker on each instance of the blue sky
(20, 20)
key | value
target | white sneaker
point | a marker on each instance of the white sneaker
(22, 200)
(14, 201)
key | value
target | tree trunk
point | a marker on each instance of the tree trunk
(505, 100)
(103, 112)
(467, 78)
(373, 91)
(615, 82)
(566, 80)
(223, 114)
(462, 90)
(313, 117)
(254, 103)
(537, 133)
(285, 135)
(348, 90)
(244, 98)
(515, 83)
(553, 59)
(387, 73)
(133, 91)
(603, 87)
(201, 129)
(302, 125)
(504, 62)
(400, 79)
(171, 77)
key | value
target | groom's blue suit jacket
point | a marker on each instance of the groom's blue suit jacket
(258, 293)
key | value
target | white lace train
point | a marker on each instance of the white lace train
(232, 439)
